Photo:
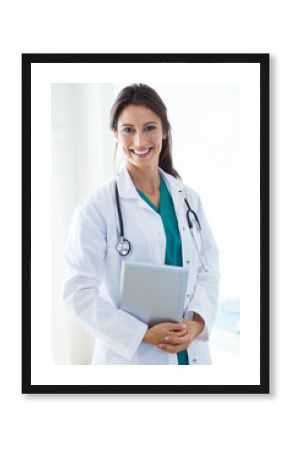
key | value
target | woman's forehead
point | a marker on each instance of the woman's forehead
(137, 114)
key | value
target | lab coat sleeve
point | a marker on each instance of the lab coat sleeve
(206, 290)
(85, 256)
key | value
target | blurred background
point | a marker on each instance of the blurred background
(205, 131)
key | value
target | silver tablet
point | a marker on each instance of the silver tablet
(153, 293)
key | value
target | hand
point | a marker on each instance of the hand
(174, 344)
(156, 334)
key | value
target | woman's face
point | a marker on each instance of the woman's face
(139, 133)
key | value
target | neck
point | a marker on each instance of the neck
(146, 180)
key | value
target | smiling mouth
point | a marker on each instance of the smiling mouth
(142, 153)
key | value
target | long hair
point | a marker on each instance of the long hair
(142, 94)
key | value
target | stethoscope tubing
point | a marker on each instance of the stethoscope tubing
(119, 212)
(189, 210)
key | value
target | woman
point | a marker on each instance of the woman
(162, 228)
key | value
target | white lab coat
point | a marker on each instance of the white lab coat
(93, 267)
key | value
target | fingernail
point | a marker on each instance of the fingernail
(160, 345)
(166, 338)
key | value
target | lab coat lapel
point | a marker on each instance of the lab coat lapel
(176, 189)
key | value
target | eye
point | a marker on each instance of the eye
(151, 127)
(127, 129)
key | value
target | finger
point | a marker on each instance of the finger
(179, 326)
(177, 333)
(172, 348)
(177, 340)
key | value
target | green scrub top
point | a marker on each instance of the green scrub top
(173, 256)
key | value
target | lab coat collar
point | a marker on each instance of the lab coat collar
(127, 189)
(172, 183)
(125, 184)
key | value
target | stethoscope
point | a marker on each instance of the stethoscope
(123, 246)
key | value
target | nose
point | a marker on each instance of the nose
(139, 140)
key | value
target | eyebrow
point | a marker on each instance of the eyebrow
(130, 125)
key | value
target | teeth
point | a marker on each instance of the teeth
(141, 153)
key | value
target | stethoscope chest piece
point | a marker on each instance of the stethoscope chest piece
(123, 247)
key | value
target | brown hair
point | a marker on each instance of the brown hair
(141, 94)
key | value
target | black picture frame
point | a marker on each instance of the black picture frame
(260, 58)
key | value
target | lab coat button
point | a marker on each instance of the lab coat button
(194, 360)
(187, 262)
